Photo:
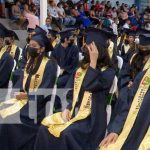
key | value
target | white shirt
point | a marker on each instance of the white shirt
(45, 27)
(126, 26)
(114, 27)
(53, 11)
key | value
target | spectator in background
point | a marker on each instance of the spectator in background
(32, 19)
(48, 25)
(2, 9)
(127, 24)
(16, 12)
(53, 12)
(114, 12)
(66, 19)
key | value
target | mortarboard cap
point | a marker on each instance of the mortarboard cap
(144, 39)
(39, 30)
(100, 37)
(43, 41)
(53, 32)
(130, 32)
(65, 34)
(11, 33)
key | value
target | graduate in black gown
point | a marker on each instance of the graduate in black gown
(128, 47)
(91, 83)
(21, 65)
(66, 54)
(39, 73)
(6, 61)
(130, 128)
(10, 45)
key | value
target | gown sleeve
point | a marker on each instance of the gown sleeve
(96, 80)
(6, 67)
(117, 124)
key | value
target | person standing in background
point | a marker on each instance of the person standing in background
(2, 8)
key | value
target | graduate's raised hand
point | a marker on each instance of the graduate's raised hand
(66, 115)
(93, 53)
(110, 139)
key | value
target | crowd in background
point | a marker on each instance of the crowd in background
(84, 13)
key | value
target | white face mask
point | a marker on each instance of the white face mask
(148, 27)
(137, 40)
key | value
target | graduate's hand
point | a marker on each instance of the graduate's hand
(20, 95)
(66, 115)
(110, 139)
(93, 52)
(130, 84)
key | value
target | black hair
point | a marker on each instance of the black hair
(103, 58)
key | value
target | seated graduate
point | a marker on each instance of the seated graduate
(66, 54)
(126, 126)
(10, 45)
(25, 55)
(90, 84)
(139, 62)
(6, 62)
(39, 74)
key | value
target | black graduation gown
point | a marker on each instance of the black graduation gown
(22, 136)
(21, 65)
(6, 66)
(142, 121)
(67, 59)
(84, 134)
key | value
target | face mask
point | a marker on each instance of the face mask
(137, 40)
(7, 42)
(33, 52)
(126, 42)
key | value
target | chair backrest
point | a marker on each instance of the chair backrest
(120, 62)
(54, 93)
(114, 86)
(80, 56)
(20, 55)
(14, 67)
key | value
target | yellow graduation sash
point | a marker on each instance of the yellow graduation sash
(34, 84)
(134, 110)
(110, 49)
(147, 65)
(118, 40)
(13, 50)
(2, 52)
(55, 122)
(145, 145)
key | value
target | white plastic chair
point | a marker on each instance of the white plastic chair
(120, 62)
(113, 89)
(54, 93)
(15, 64)
(21, 51)
(80, 56)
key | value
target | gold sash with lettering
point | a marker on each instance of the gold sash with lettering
(111, 49)
(55, 123)
(36, 80)
(133, 112)
(13, 50)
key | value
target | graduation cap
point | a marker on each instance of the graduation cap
(130, 32)
(66, 34)
(2, 33)
(53, 33)
(144, 39)
(11, 33)
(39, 30)
(100, 37)
(43, 41)
(143, 31)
